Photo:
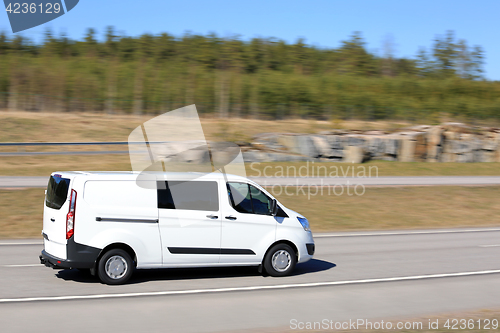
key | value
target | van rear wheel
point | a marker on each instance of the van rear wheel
(280, 260)
(115, 267)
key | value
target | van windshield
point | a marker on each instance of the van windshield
(57, 192)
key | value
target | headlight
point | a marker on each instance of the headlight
(304, 222)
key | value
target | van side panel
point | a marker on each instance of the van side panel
(119, 211)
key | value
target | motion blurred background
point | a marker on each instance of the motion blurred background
(295, 67)
(405, 93)
(224, 57)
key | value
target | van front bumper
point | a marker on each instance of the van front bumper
(78, 256)
(310, 248)
(305, 246)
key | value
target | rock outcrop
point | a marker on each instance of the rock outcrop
(448, 142)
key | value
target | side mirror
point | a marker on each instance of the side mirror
(274, 207)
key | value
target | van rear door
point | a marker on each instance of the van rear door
(56, 209)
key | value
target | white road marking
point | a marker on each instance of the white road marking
(23, 243)
(253, 288)
(494, 245)
(26, 265)
(405, 233)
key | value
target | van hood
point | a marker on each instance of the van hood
(292, 212)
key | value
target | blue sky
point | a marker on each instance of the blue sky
(324, 23)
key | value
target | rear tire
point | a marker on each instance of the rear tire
(280, 260)
(115, 267)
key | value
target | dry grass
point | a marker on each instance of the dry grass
(47, 127)
(45, 165)
(399, 208)
(379, 208)
(65, 127)
(21, 213)
(371, 169)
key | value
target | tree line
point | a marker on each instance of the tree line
(260, 77)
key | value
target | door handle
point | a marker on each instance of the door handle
(53, 219)
(212, 216)
(230, 217)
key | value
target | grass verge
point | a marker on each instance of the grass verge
(45, 165)
(399, 208)
(378, 209)
(88, 126)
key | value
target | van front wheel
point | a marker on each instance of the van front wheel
(115, 267)
(280, 260)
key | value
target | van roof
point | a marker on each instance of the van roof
(133, 174)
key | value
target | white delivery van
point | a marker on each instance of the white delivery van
(104, 222)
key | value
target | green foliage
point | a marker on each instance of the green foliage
(262, 77)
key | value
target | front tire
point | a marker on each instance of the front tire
(115, 267)
(280, 260)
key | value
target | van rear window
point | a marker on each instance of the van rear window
(191, 195)
(57, 192)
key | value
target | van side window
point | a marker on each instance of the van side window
(246, 198)
(239, 197)
(261, 203)
(190, 195)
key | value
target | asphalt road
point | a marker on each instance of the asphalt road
(371, 276)
(13, 182)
